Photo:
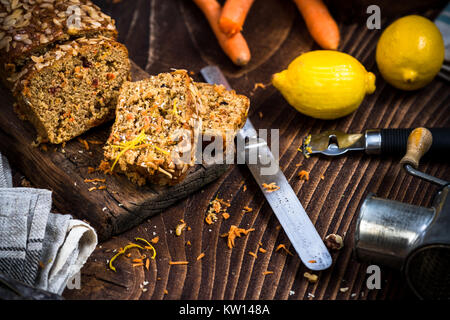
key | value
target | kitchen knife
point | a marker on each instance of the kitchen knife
(380, 141)
(284, 202)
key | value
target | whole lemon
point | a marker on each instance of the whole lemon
(410, 52)
(325, 84)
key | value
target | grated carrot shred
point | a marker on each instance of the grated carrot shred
(223, 202)
(271, 187)
(283, 246)
(216, 206)
(155, 240)
(211, 218)
(201, 255)
(303, 175)
(85, 143)
(178, 262)
(137, 264)
(233, 233)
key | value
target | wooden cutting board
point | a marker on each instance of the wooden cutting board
(110, 211)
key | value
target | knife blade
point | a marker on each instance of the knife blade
(284, 202)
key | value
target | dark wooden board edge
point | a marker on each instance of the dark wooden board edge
(63, 169)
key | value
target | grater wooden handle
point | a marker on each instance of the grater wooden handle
(419, 142)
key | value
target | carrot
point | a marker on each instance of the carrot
(235, 47)
(233, 16)
(320, 23)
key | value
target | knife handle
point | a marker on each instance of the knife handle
(394, 141)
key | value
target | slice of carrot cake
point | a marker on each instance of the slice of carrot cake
(72, 87)
(153, 137)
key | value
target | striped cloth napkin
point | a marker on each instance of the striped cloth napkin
(39, 248)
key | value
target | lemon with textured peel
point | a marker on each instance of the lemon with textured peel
(325, 84)
(410, 52)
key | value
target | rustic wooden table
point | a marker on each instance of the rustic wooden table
(173, 34)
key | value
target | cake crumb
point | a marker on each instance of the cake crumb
(312, 278)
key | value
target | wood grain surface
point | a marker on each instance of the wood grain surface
(173, 34)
